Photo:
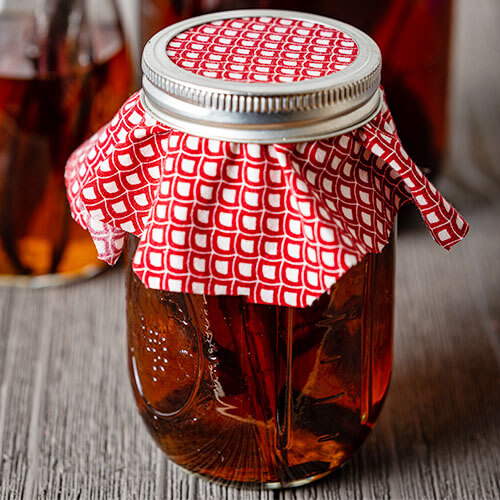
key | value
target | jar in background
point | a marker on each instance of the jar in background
(64, 72)
(414, 38)
(262, 395)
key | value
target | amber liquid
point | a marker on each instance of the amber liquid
(413, 37)
(262, 395)
(42, 120)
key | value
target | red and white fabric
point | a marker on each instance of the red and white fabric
(263, 49)
(279, 223)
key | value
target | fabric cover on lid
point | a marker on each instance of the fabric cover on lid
(279, 223)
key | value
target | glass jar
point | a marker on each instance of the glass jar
(64, 71)
(255, 394)
(255, 181)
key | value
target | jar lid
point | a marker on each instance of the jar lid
(262, 76)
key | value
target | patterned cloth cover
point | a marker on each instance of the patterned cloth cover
(279, 223)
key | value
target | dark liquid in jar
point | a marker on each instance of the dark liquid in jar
(256, 394)
(43, 118)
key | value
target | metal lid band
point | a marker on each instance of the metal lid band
(261, 112)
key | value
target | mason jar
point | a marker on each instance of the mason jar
(254, 183)
(261, 394)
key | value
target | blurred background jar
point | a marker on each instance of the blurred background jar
(64, 71)
(413, 35)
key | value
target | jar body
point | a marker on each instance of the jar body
(262, 395)
(64, 72)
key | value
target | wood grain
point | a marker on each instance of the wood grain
(69, 428)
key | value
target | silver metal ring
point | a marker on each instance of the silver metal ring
(261, 112)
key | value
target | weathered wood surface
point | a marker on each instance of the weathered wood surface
(68, 424)
(69, 427)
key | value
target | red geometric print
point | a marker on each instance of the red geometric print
(263, 49)
(279, 223)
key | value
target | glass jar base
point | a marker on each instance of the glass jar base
(51, 280)
(271, 485)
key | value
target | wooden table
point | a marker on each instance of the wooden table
(69, 427)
